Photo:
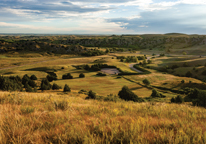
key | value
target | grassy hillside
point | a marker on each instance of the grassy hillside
(69, 118)
(52, 116)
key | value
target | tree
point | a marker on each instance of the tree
(32, 83)
(127, 94)
(67, 88)
(179, 99)
(51, 77)
(149, 61)
(55, 87)
(188, 74)
(33, 77)
(146, 82)
(25, 79)
(67, 76)
(81, 75)
(45, 85)
(107, 51)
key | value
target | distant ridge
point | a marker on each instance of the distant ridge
(175, 34)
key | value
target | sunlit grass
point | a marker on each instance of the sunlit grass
(36, 120)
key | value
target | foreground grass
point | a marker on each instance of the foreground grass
(69, 118)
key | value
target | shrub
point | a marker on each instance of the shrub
(25, 79)
(201, 99)
(33, 77)
(62, 105)
(173, 100)
(193, 93)
(10, 83)
(174, 66)
(177, 99)
(45, 85)
(32, 83)
(155, 93)
(149, 61)
(67, 88)
(55, 87)
(51, 77)
(101, 74)
(28, 88)
(67, 76)
(183, 81)
(146, 82)
(82, 91)
(81, 75)
(92, 95)
(204, 72)
(188, 74)
(128, 95)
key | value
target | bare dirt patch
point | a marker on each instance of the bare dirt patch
(110, 70)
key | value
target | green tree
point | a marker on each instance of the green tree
(127, 94)
(81, 75)
(146, 82)
(55, 87)
(67, 88)
(33, 77)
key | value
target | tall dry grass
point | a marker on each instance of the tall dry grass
(34, 118)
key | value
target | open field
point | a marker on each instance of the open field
(36, 120)
(54, 116)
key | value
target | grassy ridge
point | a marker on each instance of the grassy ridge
(33, 118)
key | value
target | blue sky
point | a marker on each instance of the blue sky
(103, 16)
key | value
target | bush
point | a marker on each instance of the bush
(62, 105)
(188, 74)
(128, 95)
(25, 79)
(101, 74)
(201, 99)
(51, 77)
(173, 100)
(45, 85)
(81, 75)
(92, 95)
(149, 61)
(174, 66)
(155, 94)
(183, 81)
(10, 83)
(32, 83)
(177, 99)
(82, 91)
(146, 82)
(28, 88)
(67, 88)
(204, 72)
(67, 76)
(55, 87)
(33, 77)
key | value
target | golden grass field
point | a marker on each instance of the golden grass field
(57, 117)
(33, 118)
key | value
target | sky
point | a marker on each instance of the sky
(103, 16)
